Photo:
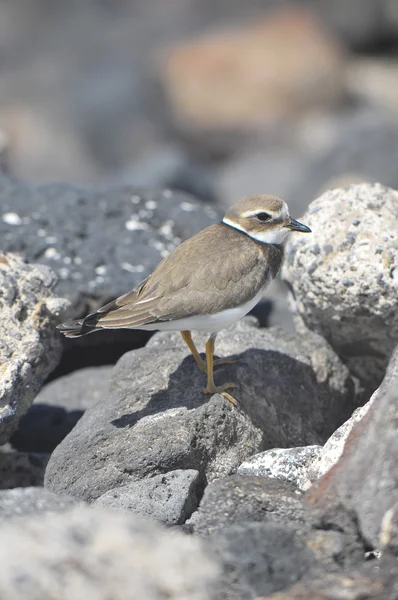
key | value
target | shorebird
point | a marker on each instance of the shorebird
(207, 283)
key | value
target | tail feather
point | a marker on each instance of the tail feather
(74, 329)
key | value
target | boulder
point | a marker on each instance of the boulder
(230, 78)
(170, 498)
(260, 558)
(21, 502)
(156, 419)
(58, 407)
(239, 499)
(21, 469)
(94, 553)
(30, 346)
(100, 243)
(369, 582)
(342, 276)
(356, 146)
(285, 464)
(361, 491)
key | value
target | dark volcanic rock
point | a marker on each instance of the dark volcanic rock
(157, 419)
(239, 498)
(361, 490)
(170, 498)
(95, 553)
(21, 502)
(376, 580)
(30, 346)
(21, 469)
(261, 558)
(100, 243)
(58, 407)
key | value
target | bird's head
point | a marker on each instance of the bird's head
(264, 218)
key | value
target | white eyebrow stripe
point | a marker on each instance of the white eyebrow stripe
(253, 213)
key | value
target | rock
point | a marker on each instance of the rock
(361, 490)
(114, 240)
(342, 276)
(170, 498)
(156, 418)
(30, 346)
(241, 77)
(285, 464)
(360, 145)
(334, 447)
(116, 237)
(239, 499)
(21, 469)
(21, 502)
(370, 582)
(98, 554)
(375, 81)
(261, 558)
(58, 407)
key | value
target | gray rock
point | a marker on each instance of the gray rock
(58, 407)
(360, 145)
(243, 499)
(30, 347)
(21, 502)
(369, 582)
(260, 558)
(285, 464)
(100, 243)
(361, 491)
(157, 410)
(170, 498)
(95, 553)
(342, 276)
(21, 469)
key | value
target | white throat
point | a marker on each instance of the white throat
(266, 237)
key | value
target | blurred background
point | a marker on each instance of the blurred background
(220, 98)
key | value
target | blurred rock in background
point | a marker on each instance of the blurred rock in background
(216, 98)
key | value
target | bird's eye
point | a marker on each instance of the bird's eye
(263, 217)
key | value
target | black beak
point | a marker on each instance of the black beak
(297, 226)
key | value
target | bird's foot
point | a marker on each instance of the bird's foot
(225, 361)
(220, 389)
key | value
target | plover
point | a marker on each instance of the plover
(207, 283)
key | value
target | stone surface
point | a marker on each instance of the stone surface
(58, 407)
(100, 243)
(239, 499)
(334, 447)
(30, 346)
(99, 554)
(21, 502)
(157, 419)
(343, 277)
(376, 580)
(21, 469)
(361, 490)
(231, 79)
(285, 464)
(261, 558)
(170, 498)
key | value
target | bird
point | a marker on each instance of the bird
(206, 283)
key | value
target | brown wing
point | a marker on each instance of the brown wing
(201, 276)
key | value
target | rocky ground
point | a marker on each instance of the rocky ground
(126, 477)
(119, 479)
